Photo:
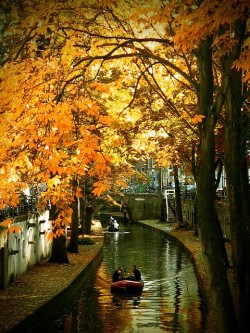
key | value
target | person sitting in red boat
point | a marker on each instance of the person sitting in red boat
(136, 274)
(119, 274)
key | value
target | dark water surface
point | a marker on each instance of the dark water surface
(170, 301)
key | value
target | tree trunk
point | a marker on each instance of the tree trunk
(83, 205)
(208, 231)
(73, 243)
(82, 214)
(59, 252)
(238, 194)
(178, 205)
(225, 256)
(237, 181)
(88, 219)
(86, 211)
(210, 240)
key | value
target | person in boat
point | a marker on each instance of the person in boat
(116, 225)
(111, 222)
(135, 275)
(119, 274)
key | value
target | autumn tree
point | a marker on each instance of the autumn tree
(226, 47)
(54, 130)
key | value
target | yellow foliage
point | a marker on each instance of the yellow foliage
(105, 88)
(185, 114)
(121, 182)
(100, 188)
(69, 113)
(54, 181)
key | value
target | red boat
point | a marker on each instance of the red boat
(127, 286)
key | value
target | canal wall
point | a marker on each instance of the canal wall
(147, 206)
(144, 206)
(138, 206)
(22, 250)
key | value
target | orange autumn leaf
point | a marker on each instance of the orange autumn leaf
(49, 236)
(14, 229)
(58, 233)
(6, 223)
(198, 119)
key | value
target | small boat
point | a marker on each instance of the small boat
(127, 286)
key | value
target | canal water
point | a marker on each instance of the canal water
(170, 301)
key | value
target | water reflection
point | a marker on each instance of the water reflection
(169, 302)
(121, 301)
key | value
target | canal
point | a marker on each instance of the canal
(170, 301)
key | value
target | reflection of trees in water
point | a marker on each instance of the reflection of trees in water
(177, 292)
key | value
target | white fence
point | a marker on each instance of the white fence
(22, 250)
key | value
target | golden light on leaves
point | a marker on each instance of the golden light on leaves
(55, 181)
